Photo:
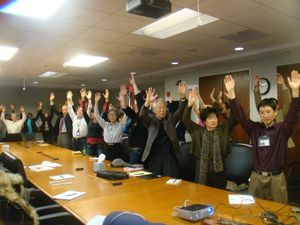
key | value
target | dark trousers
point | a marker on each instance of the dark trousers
(47, 136)
(77, 145)
(113, 151)
(14, 137)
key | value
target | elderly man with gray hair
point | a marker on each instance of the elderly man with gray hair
(162, 144)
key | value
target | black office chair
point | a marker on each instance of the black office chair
(293, 178)
(126, 149)
(47, 209)
(187, 166)
(239, 163)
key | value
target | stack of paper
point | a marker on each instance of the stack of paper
(139, 173)
(238, 199)
(134, 167)
(60, 177)
(69, 195)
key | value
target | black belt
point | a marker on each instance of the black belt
(113, 143)
(79, 138)
(268, 173)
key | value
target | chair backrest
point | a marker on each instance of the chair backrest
(187, 166)
(239, 163)
(13, 164)
(126, 149)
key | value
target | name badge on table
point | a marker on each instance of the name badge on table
(263, 141)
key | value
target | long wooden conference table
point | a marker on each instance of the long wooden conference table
(153, 199)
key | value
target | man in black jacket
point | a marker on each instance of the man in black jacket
(65, 125)
(138, 134)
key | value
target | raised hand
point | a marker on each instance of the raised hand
(22, 108)
(40, 103)
(12, 107)
(229, 84)
(182, 88)
(279, 79)
(106, 94)
(83, 93)
(220, 97)
(52, 96)
(294, 81)
(69, 95)
(132, 80)
(123, 90)
(3, 108)
(89, 95)
(150, 97)
(171, 99)
(97, 97)
(193, 95)
(256, 81)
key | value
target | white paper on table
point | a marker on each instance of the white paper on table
(69, 195)
(60, 177)
(39, 168)
(97, 220)
(5, 146)
(238, 199)
(47, 163)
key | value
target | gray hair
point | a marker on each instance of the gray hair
(159, 100)
(14, 114)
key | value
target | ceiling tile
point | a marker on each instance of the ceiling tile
(30, 46)
(219, 28)
(117, 48)
(165, 45)
(49, 39)
(19, 22)
(11, 43)
(16, 35)
(101, 35)
(62, 29)
(85, 43)
(189, 37)
(268, 42)
(121, 23)
(262, 15)
(135, 40)
(224, 8)
(109, 6)
(290, 7)
(78, 16)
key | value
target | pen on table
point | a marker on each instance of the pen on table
(62, 176)
(71, 194)
(174, 180)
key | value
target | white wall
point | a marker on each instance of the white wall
(265, 68)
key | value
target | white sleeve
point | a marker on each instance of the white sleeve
(99, 119)
(71, 112)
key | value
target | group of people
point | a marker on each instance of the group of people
(153, 136)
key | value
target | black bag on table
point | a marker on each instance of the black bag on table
(112, 175)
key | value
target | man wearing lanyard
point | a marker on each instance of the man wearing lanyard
(80, 128)
(269, 141)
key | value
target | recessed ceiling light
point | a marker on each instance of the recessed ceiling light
(238, 48)
(85, 61)
(7, 53)
(132, 72)
(82, 85)
(32, 8)
(52, 74)
(35, 82)
(174, 63)
(176, 23)
(104, 79)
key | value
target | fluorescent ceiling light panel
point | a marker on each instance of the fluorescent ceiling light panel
(41, 9)
(85, 60)
(178, 22)
(7, 53)
(52, 74)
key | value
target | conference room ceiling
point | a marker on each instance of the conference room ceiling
(265, 28)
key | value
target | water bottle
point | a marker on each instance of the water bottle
(84, 151)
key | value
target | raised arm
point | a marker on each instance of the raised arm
(89, 97)
(53, 108)
(294, 83)
(83, 95)
(132, 82)
(144, 114)
(257, 95)
(22, 108)
(186, 118)
(183, 101)
(122, 96)
(70, 108)
(285, 94)
(99, 119)
(2, 115)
